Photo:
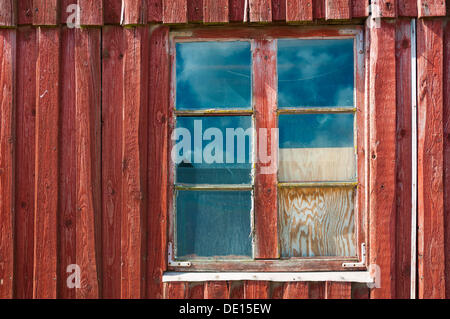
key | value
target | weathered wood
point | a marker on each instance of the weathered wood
(158, 159)
(215, 11)
(237, 10)
(155, 10)
(87, 117)
(299, 10)
(195, 10)
(431, 249)
(175, 290)
(91, 12)
(382, 104)
(7, 135)
(134, 161)
(195, 291)
(319, 9)
(316, 290)
(385, 8)
(236, 289)
(431, 8)
(360, 291)
(25, 12)
(217, 290)
(24, 161)
(403, 162)
(296, 290)
(264, 93)
(278, 10)
(174, 11)
(407, 8)
(45, 12)
(134, 12)
(112, 91)
(338, 290)
(8, 13)
(112, 10)
(360, 8)
(256, 289)
(46, 180)
(260, 10)
(447, 154)
(338, 9)
(67, 175)
(316, 222)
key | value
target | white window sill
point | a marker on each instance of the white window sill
(343, 276)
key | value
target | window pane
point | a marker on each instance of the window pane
(214, 150)
(213, 75)
(315, 73)
(213, 223)
(316, 147)
(316, 222)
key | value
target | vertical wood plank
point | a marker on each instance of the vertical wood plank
(403, 162)
(260, 10)
(386, 8)
(174, 11)
(175, 290)
(360, 8)
(382, 104)
(407, 8)
(112, 10)
(338, 9)
(134, 12)
(195, 291)
(447, 154)
(67, 175)
(91, 12)
(112, 90)
(134, 161)
(46, 180)
(24, 161)
(237, 10)
(155, 10)
(265, 88)
(431, 8)
(278, 10)
(256, 289)
(8, 13)
(236, 290)
(299, 10)
(216, 290)
(215, 11)
(87, 128)
(431, 250)
(338, 290)
(7, 135)
(360, 291)
(296, 290)
(316, 290)
(63, 14)
(319, 9)
(158, 151)
(25, 12)
(45, 12)
(195, 10)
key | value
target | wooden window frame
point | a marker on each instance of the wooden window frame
(265, 114)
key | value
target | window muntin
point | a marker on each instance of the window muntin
(294, 261)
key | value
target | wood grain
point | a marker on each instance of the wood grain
(158, 151)
(447, 154)
(46, 180)
(237, 10)
(360, 8)
(91, 12)
(278, 10)
(316, 290)
(7, 116)
(316, 222)
(25, 12)
(256, 290)
(387, 8)
(431, 8)
(338, 9)
(216, 290)
(338, 290)
(299, 10)
(112, 10)
(296, 290)
(195, 10)
(8, 13)
(134, 161)
(319, 9)
(45, 12)
(382, 105)
(155, 10)
(264, 97)
(88, 139)
(260, 10)
(112, 97)
(431, 249)
(174, 11)
(215, 11)
(407, 8)
(134, 12)
(175, 290)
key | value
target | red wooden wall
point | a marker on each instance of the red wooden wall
(83, 133)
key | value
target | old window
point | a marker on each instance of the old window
(266, 117)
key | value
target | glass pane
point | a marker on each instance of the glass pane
(314, 73)
(317, 222)
(213, 223)
(213, 150)
(316, 147)
(213, 75)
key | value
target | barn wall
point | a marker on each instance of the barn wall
(84, 126)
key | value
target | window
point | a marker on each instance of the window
(266, 127)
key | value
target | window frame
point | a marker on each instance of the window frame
(270, 260)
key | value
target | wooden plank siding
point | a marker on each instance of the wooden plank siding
(85, 130)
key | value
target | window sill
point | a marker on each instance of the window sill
(341, 276)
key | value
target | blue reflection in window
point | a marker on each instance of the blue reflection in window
(214, 150)
(213, 75)
(213, 223)
(316, 130)
(315, 73)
